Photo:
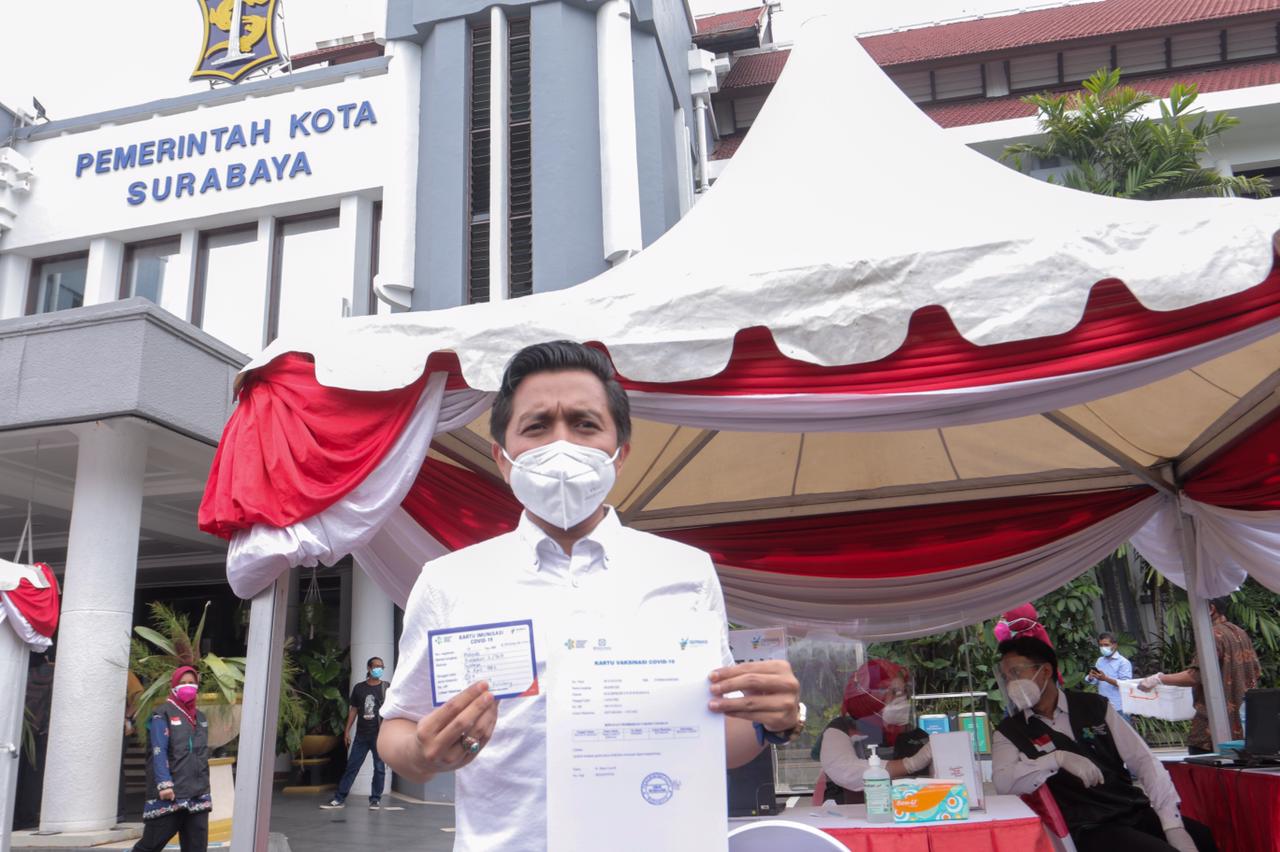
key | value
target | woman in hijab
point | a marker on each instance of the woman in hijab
(177, 770)
(877, 712)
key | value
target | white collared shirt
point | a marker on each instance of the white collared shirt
(501, 795)
(1014, 772)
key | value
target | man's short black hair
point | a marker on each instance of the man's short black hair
(369, 663)
(1104, 636)
(1033, 649)
(552, 357)
(1221, 604)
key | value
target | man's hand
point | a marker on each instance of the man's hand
(1080, 766)
(472, 712)
(770, 694)
(346, 740)
(167, 794)
(1097, 674)
(1149, 683)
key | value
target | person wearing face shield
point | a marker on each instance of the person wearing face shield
(1077, 745)
(178, 799)
(561, 428)
(876, 712)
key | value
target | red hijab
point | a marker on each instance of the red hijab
(188, 707)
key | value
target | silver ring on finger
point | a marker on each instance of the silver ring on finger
(470, 744)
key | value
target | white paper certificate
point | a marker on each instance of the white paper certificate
(501, 654)
(635, 760)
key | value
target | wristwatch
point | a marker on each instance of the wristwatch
(781, 737)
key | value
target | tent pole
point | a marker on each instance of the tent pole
(257, 754)
(1215, 699)
(1071, 427)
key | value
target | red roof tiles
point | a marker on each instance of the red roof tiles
(728, 22)
(1047, 26)
(728, 146)
(756, 69)
(1242, 76)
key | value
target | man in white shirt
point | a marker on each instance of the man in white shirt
(1111, 668)
(1076, 744)
(561, 425)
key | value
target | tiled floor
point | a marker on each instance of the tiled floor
(417, 827)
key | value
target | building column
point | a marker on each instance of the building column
(499, 155)
(87, 718)
(396, 245)
(102, 276)
(619, 165)
(372, 635)
(15, 275)
(355, 254)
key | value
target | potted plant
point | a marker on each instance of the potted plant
(169, 643)
(322, 680)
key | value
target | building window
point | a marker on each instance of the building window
(307, 280)
(231, 288)
(521, 184)
(520, 154)
(153, 271)
(57, 283)
(478, 258)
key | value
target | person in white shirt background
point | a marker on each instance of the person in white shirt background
(561, 426)
(1078, 745)
(1110, 668)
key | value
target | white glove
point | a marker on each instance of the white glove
(919, 760)
(1149, 683)
(1179, 839)
(1080, 766)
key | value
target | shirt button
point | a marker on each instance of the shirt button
(575, 582)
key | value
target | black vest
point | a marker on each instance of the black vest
(1116, 799)
(188, 754)
(907, 743)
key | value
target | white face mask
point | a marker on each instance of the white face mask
(896, 712)
(562, 482)
(1024, 693)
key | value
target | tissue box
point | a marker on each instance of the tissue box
(928, 800)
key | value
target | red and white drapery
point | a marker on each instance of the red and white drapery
(307, 474)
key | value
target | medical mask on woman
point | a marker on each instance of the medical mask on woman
(562, 482)
(1024, 692)
(376, 672)
(896, 712)
(1106, 652)
(185, 692)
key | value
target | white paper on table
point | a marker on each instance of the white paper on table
(953, 761)
(635, 760)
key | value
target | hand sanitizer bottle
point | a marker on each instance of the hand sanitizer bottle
(878, 790)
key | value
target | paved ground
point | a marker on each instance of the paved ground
(417, 827)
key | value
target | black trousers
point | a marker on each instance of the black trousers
(192, 830)
(1144, 835)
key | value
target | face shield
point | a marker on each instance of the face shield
(880, 692)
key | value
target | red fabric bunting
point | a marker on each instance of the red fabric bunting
(293, 447)
(1116, 329)
(1005, 835)
(38, 606)
(1245, 475)
(460, 507)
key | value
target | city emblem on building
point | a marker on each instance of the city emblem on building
(230, 60)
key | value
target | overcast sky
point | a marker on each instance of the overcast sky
(83, 56)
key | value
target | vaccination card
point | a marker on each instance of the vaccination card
(501, 654)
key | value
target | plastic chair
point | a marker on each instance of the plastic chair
(1055, 824)
(819, 790)
(774, 835)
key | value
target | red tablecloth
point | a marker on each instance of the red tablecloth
(1013, 835)
(1241, 807)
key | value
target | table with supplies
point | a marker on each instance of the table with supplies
(1240, 806)
(1007, 825)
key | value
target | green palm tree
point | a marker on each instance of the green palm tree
(1113, 148)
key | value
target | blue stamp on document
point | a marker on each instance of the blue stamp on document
(658, 788)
